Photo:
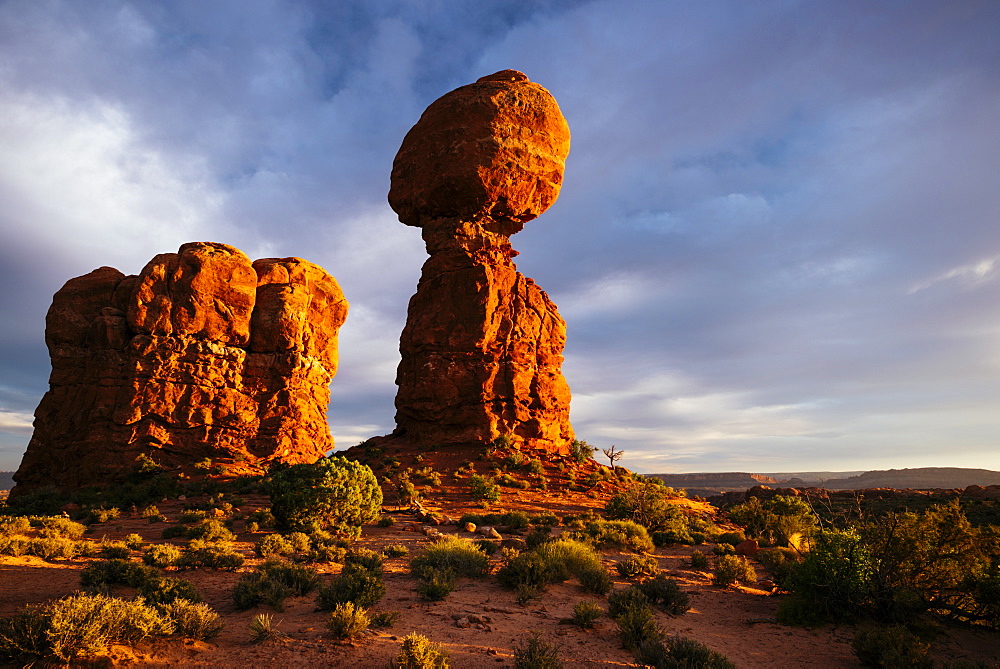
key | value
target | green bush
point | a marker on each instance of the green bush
(262, 629)
(637, 626)
(210, 530)
(486, 546)
(724, 549)
(778, 521)
(699, 560)
(621, 601)
(536, 652)
(355, 584)
(779, 562)
(666, 593)
(483, 488)
(893, 647)
(647, 502)
(597, 581)
(637, 566)
(366, 558)
(192, 620)
(163, 590)
(731, 538)
(102, 515)
(417, 652)
(386, 521)
(451, 552)
(83, 625)
(677, 652)
(332, 492)
(211, 556)
(162, 555)
(49, 548)
(299, 579)
(620, 534)
(384, 618)
(552, 562)
(101, 574)
(581, 451)
(114, 550)
(57, 526)
(546, 519)
(255, 588)
(585, 613)
(436, 583)
(273, 545)
(347, 620)
(732, 568)
(395, 551)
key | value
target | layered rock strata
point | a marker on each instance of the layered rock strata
(482, 347)
(202, 355)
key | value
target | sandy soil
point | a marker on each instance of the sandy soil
(738, 622)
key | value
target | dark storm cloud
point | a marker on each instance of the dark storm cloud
(776, 246)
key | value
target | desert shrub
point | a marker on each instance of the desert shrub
(436, 583)
(551, 562)
(262, 629)
(101, 574)
(173, 531)
(538, 536)
(49, 548)
(486, 546)
(833, 580)
(621, 534)
(263, 518)
(395, 551)
(114, 550)
(149, 511)
(13, 546)
(677, 652)
(331, 492)
(163, 590)
(192, 516)
(620, 601)
(25, 632)
(255, 588)
(133, 541)
(515, 520)
(347, 620)
(536, 467)
(776, 521)
(483, 488)
(355, 584)
(666, 593)
(699, 560)
(581, 450)
(732, 568)
(697, 537)
(102, 515)
(724, 549)
(527, 569)
(597, 581)
(406, 491)
(162, 555)
(85, 624)
(455, 553)
(366, 558)
(637, 626)
(210, 530)
(10, 525)
(893, 647)
(299, 541)
(299, 579)
(211, 556)
(546, 519)
(585, 613)
(384, 618)
(647, 503)
(57, 526)
(536, 652)
(637, 566)
(417, 652)
(386, 521)
(732, 538)
(779, 562)
(273, 545)
(192, 620)
(679, 535)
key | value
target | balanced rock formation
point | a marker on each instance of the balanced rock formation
(482, 347)
(202, 355)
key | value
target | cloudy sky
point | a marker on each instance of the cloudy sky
(777, 247)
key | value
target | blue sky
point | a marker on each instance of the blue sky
(777, 247)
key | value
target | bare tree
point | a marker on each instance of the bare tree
(614, 456)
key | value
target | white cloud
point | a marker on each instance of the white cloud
(15, 421)
(971, 275)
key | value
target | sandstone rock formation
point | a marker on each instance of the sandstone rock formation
(203, 355)
(482, 347)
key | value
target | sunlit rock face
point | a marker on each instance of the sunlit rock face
(482, 347)
(202, 355)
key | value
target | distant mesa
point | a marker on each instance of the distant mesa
(202, 355)
(482, 347)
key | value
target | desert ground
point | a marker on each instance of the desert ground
(480, 623)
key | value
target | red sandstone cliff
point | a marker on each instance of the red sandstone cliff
(204, 354)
